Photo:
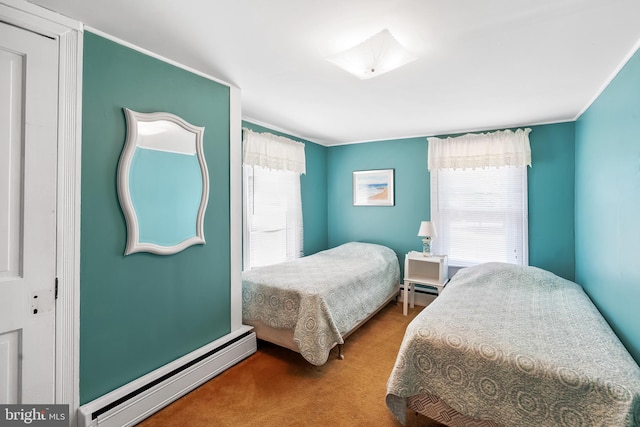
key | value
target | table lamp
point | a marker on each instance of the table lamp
(427, 230)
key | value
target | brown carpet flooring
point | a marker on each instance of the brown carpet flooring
(277, 387)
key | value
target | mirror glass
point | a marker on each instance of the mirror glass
(163, 183)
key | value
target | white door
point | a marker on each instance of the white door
(28, 116)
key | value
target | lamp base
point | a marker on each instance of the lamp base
(426, 246)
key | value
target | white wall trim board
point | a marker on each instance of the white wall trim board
(235, 208)
(144, 396)
(68, 223)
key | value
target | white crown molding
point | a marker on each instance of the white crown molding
(156, 56)
(607, 82)
(456, 132)
(285, 131)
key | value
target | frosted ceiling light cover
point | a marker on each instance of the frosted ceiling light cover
(375, 56)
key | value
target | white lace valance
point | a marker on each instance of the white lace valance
(473, 151)
(273, 152)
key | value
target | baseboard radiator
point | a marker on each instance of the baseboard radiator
(139, 399)
(424, 296)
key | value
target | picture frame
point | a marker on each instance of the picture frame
(373, 187)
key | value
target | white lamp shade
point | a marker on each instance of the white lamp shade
(427, 229)
(373, 57)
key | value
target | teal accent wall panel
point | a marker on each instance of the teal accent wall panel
(313, 186)
(141, 311)
(608, 203)
(393, 226)
(314, 199)
(551, 182)
(551, 201)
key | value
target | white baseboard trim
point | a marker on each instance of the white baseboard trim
(139, 399)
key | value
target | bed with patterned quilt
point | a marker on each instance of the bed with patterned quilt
(313, 303)
(507, 345)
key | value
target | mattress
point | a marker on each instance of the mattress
(321, 297)
(517, 346)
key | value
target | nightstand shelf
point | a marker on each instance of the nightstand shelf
(430, 271)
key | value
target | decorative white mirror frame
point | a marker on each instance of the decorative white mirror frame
(138, 138)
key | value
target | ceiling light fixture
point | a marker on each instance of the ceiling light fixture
(375, 56)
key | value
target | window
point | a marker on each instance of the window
(480, 214)
(479, 197)
(273, 229)
(273, 226)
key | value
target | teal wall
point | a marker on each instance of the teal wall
(313, 186)
(551, 196)
(551, 181)
(142, 311)
(608, 204)
(392, 226)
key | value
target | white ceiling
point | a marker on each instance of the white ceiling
(482, 65)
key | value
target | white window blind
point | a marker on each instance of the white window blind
(480, 215)
(273, 227)
(274, 216)
(480, 212)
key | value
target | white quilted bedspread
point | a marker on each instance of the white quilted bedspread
(519, 346)
(321, 296)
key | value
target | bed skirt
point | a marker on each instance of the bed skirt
(284, 337)
(436, 409)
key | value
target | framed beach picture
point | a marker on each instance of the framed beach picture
(373, 188)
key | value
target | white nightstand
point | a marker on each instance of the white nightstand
(423, 270)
